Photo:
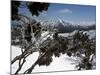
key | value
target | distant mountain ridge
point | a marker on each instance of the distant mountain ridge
(67, 27)
(61, 25)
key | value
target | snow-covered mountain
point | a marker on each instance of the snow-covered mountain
(63, 26)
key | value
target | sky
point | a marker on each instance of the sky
(78, 14)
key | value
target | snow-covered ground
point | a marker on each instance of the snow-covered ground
(58, 64)
(91, 33)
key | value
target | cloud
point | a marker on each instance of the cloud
(44, 13)
(64, 11)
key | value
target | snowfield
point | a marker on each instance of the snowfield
(59, 64)
(91, 33)
(63, 63)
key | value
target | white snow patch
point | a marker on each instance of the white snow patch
(58, 64)
(15, 51)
